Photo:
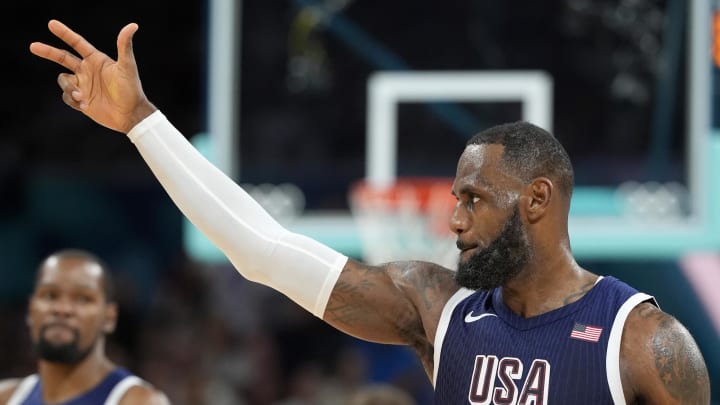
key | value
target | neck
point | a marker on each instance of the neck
(551, 280)
(61, 382)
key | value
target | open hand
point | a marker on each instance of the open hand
(107, 91)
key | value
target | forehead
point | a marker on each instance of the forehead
(480, 164)
(482, 155)
(70, 272)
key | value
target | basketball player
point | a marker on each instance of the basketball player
(520, 322)
(70, 312)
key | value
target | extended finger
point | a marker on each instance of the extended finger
(70, 37)
(125, 45)
(59, 56)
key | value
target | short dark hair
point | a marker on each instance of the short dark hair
(108, 284)
(530, 152)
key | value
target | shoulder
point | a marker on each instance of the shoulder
(428, 285)
(660, 361)
(144, 394)
(413, 277)
(7, 389)
(406, 295)
(424, 275)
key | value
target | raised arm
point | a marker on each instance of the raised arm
(660, 362)
(396, 303)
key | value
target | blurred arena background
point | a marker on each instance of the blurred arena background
(280, 94)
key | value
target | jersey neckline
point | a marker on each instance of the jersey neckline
(522, 323)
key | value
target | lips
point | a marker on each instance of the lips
(467, 253)
(466, 249)
(464, 245)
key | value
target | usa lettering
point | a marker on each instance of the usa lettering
(499, 382)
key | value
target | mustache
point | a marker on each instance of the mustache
(56, 324)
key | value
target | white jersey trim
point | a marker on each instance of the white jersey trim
(121, 388)
(28, 383)
(23, 390)
(612, 359)
(443, 324)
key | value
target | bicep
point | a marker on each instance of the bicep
(662, 362)
(392, 303)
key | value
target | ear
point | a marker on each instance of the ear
(111, 316)
(540, 192)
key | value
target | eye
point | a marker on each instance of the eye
(83, 299)
(470, 202)
(475, 199)
(48, 295)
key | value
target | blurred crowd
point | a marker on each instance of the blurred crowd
(208, 336)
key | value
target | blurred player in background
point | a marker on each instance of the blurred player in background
(518, 322)
(70, 312)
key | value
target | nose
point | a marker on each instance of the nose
(459, 221)
(63, 307)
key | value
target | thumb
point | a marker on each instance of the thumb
(124, 44)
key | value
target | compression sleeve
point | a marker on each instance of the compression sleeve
(258, 246)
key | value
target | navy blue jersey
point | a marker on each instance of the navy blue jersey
(486, 354)
(107, 392)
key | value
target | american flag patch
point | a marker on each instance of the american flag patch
(586, 332)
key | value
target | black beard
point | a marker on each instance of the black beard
(500, 262)
(66, 353)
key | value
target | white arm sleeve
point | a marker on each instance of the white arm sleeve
(259, 248)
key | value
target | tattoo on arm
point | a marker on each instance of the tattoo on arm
(679, 364)
(428, 281)
(391, 303)
(345, 309)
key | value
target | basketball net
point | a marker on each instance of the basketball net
(405, 221)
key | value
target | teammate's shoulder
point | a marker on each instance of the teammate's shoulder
(7, 388)
(144, 394)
